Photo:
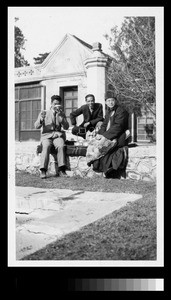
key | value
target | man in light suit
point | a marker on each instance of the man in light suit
(51, 122)
(92, 116)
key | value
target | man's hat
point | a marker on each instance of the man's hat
(111, 94)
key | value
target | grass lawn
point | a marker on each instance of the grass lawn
(126, 234)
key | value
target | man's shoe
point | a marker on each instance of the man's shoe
(63, 174)
(43, 175)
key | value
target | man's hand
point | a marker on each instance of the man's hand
(60, 112)
(57, 134)
(86, 124)
(61, 116)
(42, 115)
(98, 136)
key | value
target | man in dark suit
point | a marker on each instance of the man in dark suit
(92, 116)
(115, 123)
(114, 127)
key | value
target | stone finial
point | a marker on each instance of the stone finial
(97, 46)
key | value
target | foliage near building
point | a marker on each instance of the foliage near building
(131, 74)
(19, 45)
(39, 59)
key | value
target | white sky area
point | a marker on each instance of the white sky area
(45, 27)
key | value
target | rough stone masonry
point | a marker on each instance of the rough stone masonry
(141, 162)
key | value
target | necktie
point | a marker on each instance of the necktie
(55, 120)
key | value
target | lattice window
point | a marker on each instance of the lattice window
(28, 100)
(144, 128)
(70, 102)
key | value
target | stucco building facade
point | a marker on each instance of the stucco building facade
(72, 70)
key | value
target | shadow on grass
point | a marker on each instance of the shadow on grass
(126, 234)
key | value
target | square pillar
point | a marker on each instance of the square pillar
(96, 74)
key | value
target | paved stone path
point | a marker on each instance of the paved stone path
(44, 215)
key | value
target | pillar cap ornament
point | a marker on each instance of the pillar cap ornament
(96, 62)
(97, 46)
(97, 58)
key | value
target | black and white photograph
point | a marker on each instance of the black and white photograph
(85, 136)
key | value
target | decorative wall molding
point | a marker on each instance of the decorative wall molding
(28, 74)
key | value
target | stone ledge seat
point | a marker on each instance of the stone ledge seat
(80, 151)
(71, 149)
(142, 161)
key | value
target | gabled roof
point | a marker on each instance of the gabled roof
(37, 71)
(90, 46)
(68, 35)
(82, 42)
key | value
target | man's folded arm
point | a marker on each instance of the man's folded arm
(75, 114)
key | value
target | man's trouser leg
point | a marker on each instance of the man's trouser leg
(60, 148)
(46, 145)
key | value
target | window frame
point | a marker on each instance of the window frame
(145, 116)
(19, 100)
(73, 98)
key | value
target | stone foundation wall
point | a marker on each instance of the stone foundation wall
(141, 162)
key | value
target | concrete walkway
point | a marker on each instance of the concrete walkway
(45, 215)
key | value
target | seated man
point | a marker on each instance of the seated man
(112, 134)
(92, 113)
(51, 122)
(115, 123)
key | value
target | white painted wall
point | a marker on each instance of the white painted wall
(96, 84)
(53, 87)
